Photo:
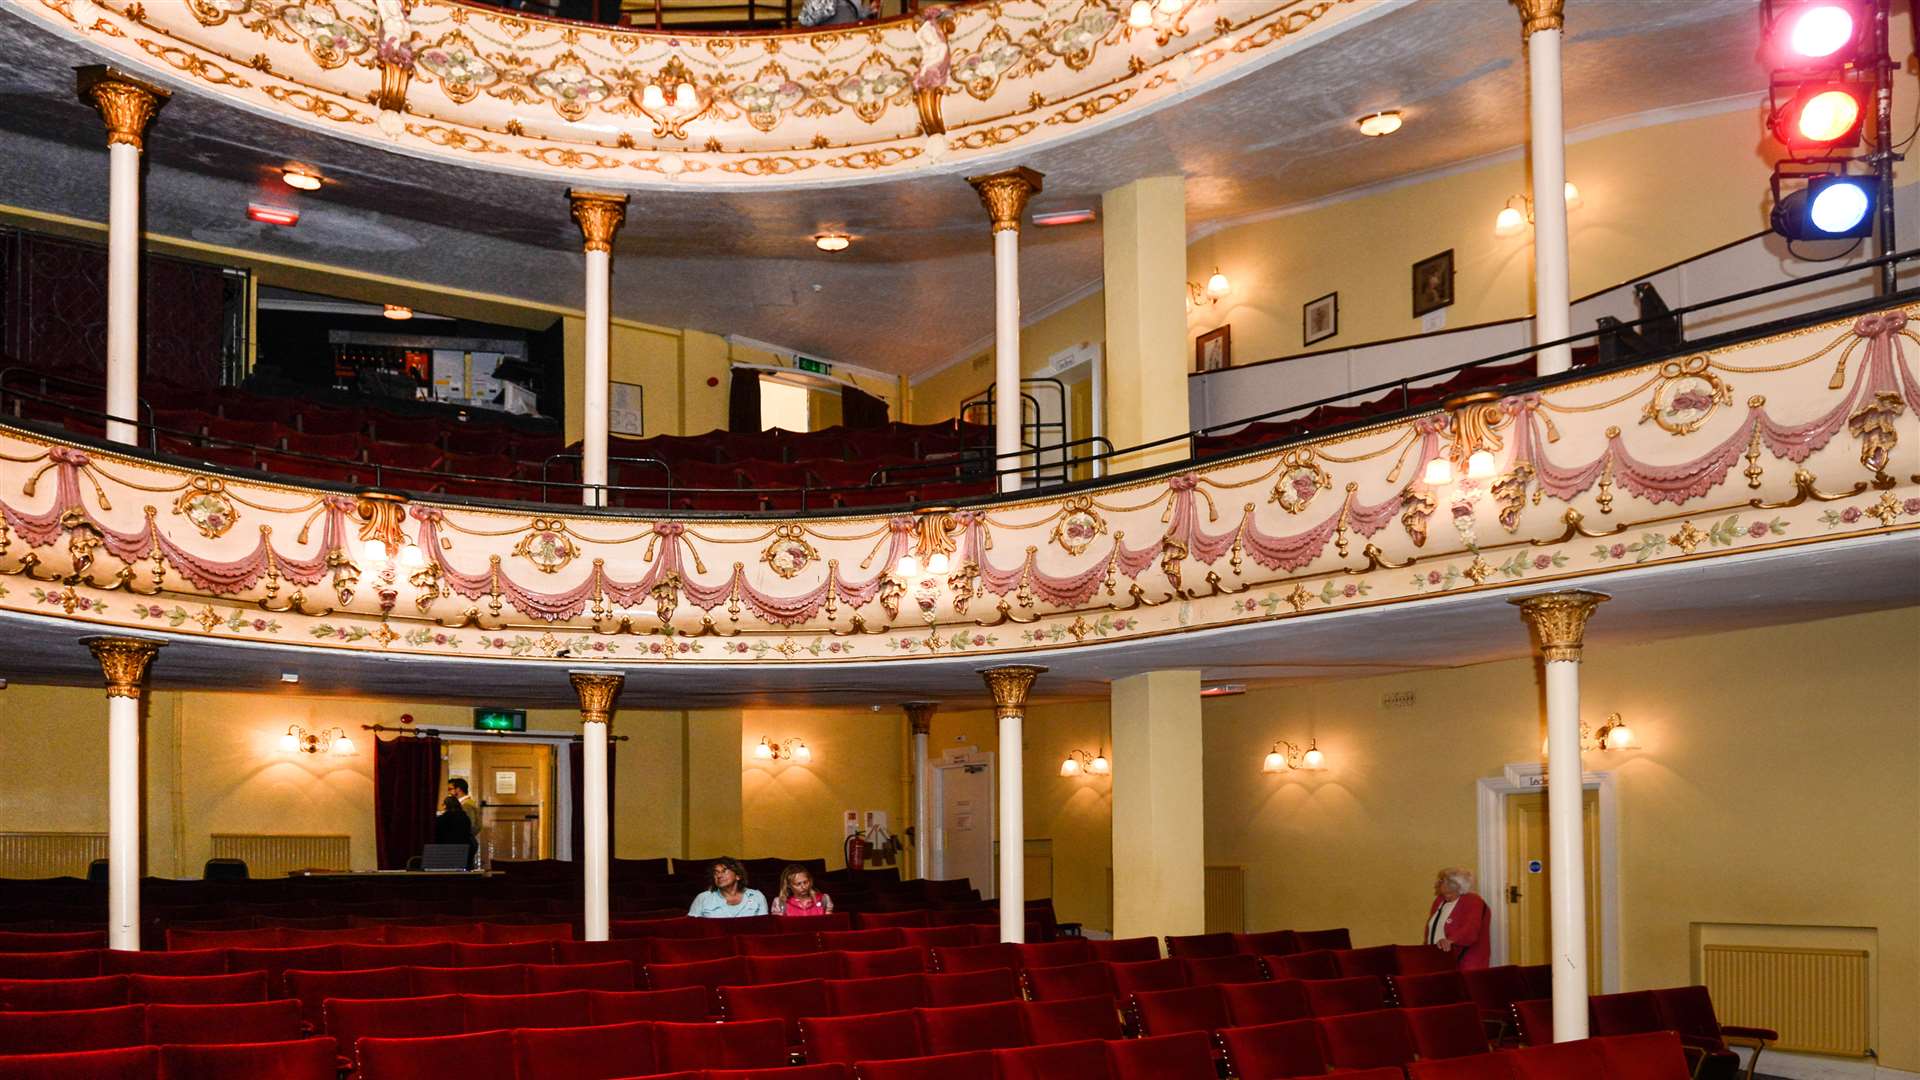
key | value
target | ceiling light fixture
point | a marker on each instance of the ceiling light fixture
(833, 241)
(1062, 217)
(301, 179)
(273, 215)
(298, 741)
(1374, 125)
(1287, 757)
(397, 312)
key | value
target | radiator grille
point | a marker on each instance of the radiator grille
(272, 856)
(1226, 897)
(1817, 999)
(49, 854)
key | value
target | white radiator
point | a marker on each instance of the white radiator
(270, 856)
(49, 854)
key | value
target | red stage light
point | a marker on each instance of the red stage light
(273, 215)
(1820, 116)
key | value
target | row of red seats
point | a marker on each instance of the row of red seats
(267, 983)
(1687, 1010)
(1266, 943)
(1652, 1056)
(303, 1059)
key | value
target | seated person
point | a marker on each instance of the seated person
(797, 897)
(729, 898)
(453, 826)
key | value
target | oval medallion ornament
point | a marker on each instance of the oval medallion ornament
(206, 505)
(789, 553)
(1079, 524)
(1688, 393)
(547, 547)
(1301, 478)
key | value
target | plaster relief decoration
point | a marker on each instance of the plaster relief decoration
(491, 88)
(1570, 484)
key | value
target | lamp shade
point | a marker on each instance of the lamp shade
(1070, 767)
(343, 745)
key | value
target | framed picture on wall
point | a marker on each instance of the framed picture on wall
(1213, 350)
(1320, 319)
(1433, 283)
(625, 413)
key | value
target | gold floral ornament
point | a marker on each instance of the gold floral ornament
(1005, 195)
(125, 104)
(789, 553)
(547, 546)
(123, 662)
(1559, 621)
(672, 100)
(981, 70)
(215, 12)
(569, 86)
(877, 83)
(457, 66)
(1301, 478)
(1686, 396)
(1080, 38)
(329, 39)
(599, 215)
(1078, 525)
(770, 93)
(382, 516)
(206, 507)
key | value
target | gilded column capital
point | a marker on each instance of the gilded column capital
(1539, 15)
(600, 215)
(1009, 686)
(597, 693)
(1559, 620)
(126, 104)
(920, 715)
(124, 661)
(1005, 194)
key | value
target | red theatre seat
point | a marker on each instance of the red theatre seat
(523, 933)
(466, 954)
(796, 944)
(1366, 1040)
(134, 1063)
(277, 962)
(1266, 1002)
(1538, 979)
(1191, 946)
(868, 1037)
(488, 1012)
(1624, 1014)
(1269, 943)
(742, 1044)
(1130, 979)
(630, 950)
(603, 1052)
(851, 997)
(1188, 1056)
(398, 934)
(42, 995)
(1439, 988)
(186, 962)
(973, 987)
(198, 989)
(787, 1002)
(498, 979)
(965, 1065)
(731, 971)
(1070, 981)
(23, 942)
(1232, 968)
(1689, 1011)
(612, 975)
(1654, 1055)
(252, 1022)
(862, 940)
(1422, 960)
(1446, 1031)
(486, 1055)
(1078, 1060)
(297, 1059)
(349, 1020)
(1318, 964)
(1478, 1067)
(72, 964)
(959, 1028)
(356, 956)
(1533, 1019)
(666, 950)
(1332, 997)
(1582, 1060)
(269, 938)
(1070, 1020)
(313, 988)
(952, 936)
(685, 1005)
(872, 920)
(1289, 1048)
(803, 1072)
(1126, 950)
(874, 963)
(774, 969)
(72, 1029)
(1311, 940)
(1379, 960)
(1062, 953)
(1187, 1008)
(954, 959)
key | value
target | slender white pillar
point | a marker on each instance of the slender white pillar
(600, 216)
(1553, 314)
(1559, 623)
(597, 694)
(124, 663)
(920, 717)
(1005, 196)
(1009, 686)
(126, 105)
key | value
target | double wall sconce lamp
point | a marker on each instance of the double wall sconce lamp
(299, 740)
(789, 750)
(1514, 217)
(1614, 734)
(1287, 757)
(1080, 762)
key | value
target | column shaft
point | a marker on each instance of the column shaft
(1553, 315)
(123, 823)
(596, 862)
(1159, 813)
(1143, 236)
(920, 723)
(1013, 827)
(1566, 836)
(123, 292)
(595, 409)
(1006, 356)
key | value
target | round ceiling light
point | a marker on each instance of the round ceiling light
(1377, 124)
(833, 241)
(397, 312)
(300, 179)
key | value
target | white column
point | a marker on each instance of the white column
(1559, 624)
(1005, 196)
(1553, 315)
(1009, 686)
(597, 693)
(920, 717)
(126, 105)
(599, 215)
(124, 662)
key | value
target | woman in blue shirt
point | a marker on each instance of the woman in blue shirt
(729, 898)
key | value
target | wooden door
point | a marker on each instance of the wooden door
(1529, 862)
(515, 797)
(964, 829)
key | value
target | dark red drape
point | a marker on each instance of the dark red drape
(575, 772)
(743, 402)
(406, 793)
(859, 409)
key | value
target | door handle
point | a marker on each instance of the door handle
(1513, 894)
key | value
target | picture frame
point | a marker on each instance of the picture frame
(1433, 283)
(1213, 350)
(626, 414)
(1320, 318)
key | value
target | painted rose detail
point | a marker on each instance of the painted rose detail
(767, 96)
(868, 91)
(570, 86)
(1076, 41)
(330, 40)
(210, 512)
(458, 67)
(981, 71)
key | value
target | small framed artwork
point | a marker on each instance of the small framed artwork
(1320, 319)
(626, 414)
(1213, 350)
(1433, 283)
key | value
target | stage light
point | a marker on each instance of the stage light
(1828, 208)
(1819, 31)
(1816, 33)
(1838, 207)
(1821, 116)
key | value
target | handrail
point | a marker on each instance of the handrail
(144, 405)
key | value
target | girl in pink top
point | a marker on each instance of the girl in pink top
(797, 897)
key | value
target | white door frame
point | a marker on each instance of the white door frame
(1530, 777)
(937, 803)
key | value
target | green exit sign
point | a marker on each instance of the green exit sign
(818, 367)
(500, 719)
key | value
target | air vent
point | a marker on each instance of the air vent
(1396, 699)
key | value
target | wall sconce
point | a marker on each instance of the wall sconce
(790, 750)
(1286, 756)
(298, 740)
(1514, 217)
(930, 547)
(382, 531)
(1143, 14)
(1475, 420)
(1079, 761)
(1614, 734)
(1216, 287)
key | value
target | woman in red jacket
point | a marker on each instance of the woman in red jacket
(1457, 922)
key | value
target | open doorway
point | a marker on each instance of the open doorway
(512, 783)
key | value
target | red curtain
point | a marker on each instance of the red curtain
(575, 772)
(406, 794)
(859, 409)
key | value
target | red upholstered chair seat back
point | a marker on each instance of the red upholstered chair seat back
(187, 962)
(1446, 1031)
(742, 1044)
(958, 1028)
(1266, 1002)
(794, 944)
(862, 940)
(814, 965)
(1269, 943)
(1478, 1067)
(633, 950)
(1495, 989)
(72, 1029)
(934, 937)
(565, 1008)
(297, 1059)
(350, 1019)
(488, 954)
(277, 962)
(524, 933)
(1689, 1011)
(72, 964)
(873, 963)
(1060, 953)
(611, 975)
(850, 997)
(1232, 968)
(1624, 1014)
(497, 979)
(1438, 988)
(1534, 1019)
(868, 1037)
(1331, 997)
(950, 959)
(1069, 981)
(1422, 960)
(51, 941)
(1316, 964)
(1070, 1020)
(40, 995)
(787, 1002)
(251, 1022)
(1187, 1056)
(1311, 940)
(963, 1065)
(313, 988)
(486, 1055)
(198, 989)
(355, 956)
(1055, 1061)
(414, 935)
(603, 1052)
(1133, 978)
(1187, 1008)
(685, 1004)
(1288, 1048)
(973, 987)
(664, 950)
(1126, 950)
(1192, 946)
(132, 1063)
(1366, 1040)
(1582, 1060)
(1654, 1055)
(1379, 960)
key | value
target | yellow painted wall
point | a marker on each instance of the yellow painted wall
(793, 810)
(938, 397)
(638, 353)
(1776, 785)
(712, 819)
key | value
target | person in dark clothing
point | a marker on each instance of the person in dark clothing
(453, 826)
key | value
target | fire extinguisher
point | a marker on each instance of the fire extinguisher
(856, 851)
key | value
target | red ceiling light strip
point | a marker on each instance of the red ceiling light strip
(273, 215)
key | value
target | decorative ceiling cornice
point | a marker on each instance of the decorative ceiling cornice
(629, 108)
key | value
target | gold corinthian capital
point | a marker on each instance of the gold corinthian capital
(1539, 15)
(1009, 686)
(597, 693)
(920, 716)
(124, 662)
(600, 215)
(1005, 195)
(1559, 620)
(125, 103)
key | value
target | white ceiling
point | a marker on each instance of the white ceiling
(916, 289)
